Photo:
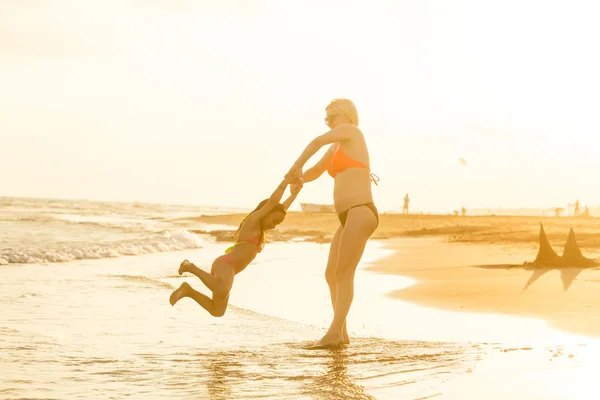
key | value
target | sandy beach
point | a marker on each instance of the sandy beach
(480, 278)
(475, 264)
(514, 231)
(85, 312)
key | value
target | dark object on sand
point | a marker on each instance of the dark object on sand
(572, 256)
(546, 254)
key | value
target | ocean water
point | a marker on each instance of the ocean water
(85, 314)
(49, 230)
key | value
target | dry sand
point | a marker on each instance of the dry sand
(476, 263)
(513, 231)
(480, 278)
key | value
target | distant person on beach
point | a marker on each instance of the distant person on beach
(249, 240)
(347, 161)
(406, 201)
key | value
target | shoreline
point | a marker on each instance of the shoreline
(471, 264)
(478, 278)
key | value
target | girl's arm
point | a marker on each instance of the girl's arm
(294, 189)
(272, 202)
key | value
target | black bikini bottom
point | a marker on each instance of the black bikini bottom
(343, 216)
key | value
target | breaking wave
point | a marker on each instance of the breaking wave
(161, 242)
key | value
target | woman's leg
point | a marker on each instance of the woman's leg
(330, 275)
(215, 306)
(360, 225)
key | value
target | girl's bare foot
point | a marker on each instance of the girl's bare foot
(183, 267)
(180, 293)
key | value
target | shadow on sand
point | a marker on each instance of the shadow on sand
(570, 264)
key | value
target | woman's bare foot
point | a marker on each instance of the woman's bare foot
(183, 267)
(345, 336)
(331, 340)
(180, 293)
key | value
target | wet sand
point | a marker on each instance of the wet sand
(475, 264)
(483, 278)
(116, 335)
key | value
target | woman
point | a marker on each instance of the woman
(347, 161)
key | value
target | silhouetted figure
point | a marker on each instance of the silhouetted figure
(406, 201)
(576, 210)
(586, 212)
(463, 211)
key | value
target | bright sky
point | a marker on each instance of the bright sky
(210, 102)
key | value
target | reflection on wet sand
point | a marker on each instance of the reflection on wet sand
(333, 380)
(223, 370)
(289, 369)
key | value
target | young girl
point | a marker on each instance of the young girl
(249, 240)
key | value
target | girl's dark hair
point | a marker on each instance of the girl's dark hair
(261, 236)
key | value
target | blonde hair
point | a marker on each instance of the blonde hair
(345, 107)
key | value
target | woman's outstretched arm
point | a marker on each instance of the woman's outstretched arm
(317, 170)
(339, 133)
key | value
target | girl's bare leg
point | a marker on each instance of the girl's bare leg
(208, 279)
(216, 306)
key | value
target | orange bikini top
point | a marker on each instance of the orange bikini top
(341, 161)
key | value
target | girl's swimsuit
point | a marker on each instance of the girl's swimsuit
(228, 258)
